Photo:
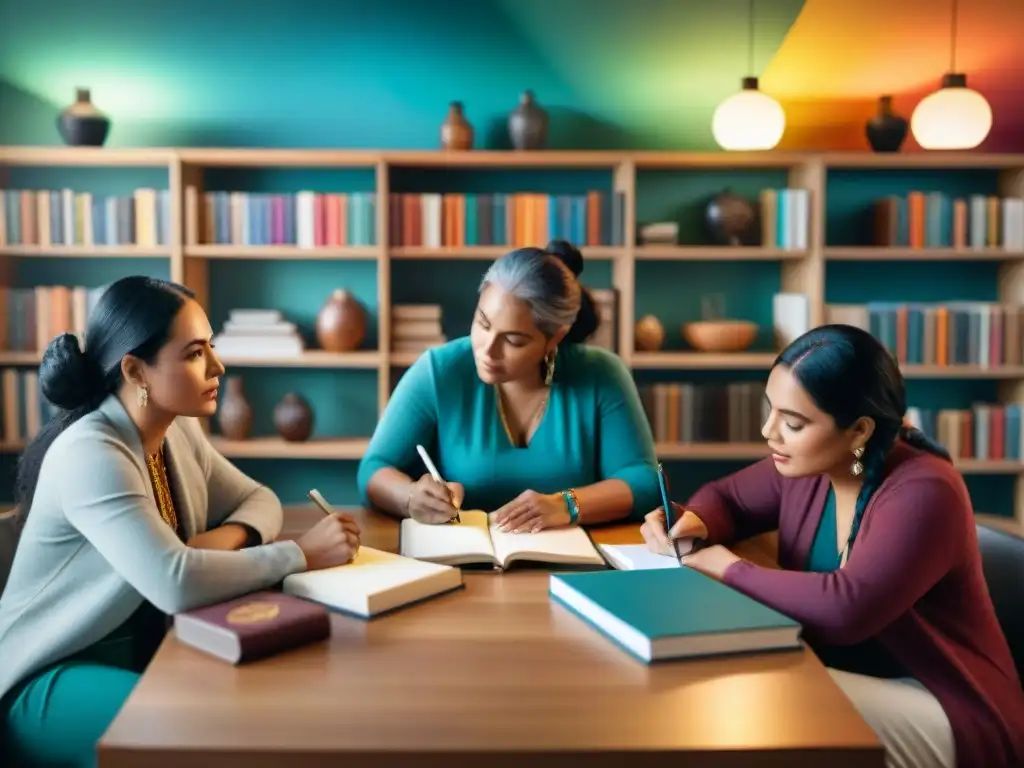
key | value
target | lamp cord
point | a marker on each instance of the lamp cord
(952, 40)
(750, 40)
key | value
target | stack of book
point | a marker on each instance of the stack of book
(416, 327)
(258, 333)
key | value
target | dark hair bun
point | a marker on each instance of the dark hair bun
(568, 254)
(68, 377)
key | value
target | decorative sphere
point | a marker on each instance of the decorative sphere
(748, 120)
(954, 117)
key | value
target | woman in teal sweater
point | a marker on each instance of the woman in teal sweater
(521, 418)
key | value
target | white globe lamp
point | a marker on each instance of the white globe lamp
(749, 120)
(954, 117)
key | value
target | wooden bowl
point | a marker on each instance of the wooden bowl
(720, 335)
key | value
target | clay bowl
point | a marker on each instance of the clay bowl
(720, 335)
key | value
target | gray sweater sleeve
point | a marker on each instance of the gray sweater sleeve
(104, 496)
(234, 497)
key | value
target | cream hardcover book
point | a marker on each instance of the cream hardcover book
(373, 583)
(477, 541)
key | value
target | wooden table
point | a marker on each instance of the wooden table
(493, 675)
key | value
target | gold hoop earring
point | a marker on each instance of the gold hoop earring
(143, 396)
(549, 364)
(857, 468)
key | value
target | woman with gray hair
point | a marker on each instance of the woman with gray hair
(521, 417)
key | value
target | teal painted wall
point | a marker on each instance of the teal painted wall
(380, 74)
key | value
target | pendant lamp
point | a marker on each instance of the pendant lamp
(749, 120)
(955, 116)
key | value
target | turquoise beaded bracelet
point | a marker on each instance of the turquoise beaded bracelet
(574, 505)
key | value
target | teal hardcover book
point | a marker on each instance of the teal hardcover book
(673, 613)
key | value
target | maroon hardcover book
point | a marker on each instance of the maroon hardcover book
(253, 626)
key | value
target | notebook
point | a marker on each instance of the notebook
(253, 626)
(373, 583)
(636, 557)
(670, 613)
(476, 541)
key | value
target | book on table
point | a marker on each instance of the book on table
(375, 582)
(658, 614)
(253, 626)
(637, 557)
(478, 541)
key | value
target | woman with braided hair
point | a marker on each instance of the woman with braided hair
(878, 553)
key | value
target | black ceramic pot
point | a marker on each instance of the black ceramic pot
(886, 131)
(81, 124)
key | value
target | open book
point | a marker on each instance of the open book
(477, 541)
(373, 583)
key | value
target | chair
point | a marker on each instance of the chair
(1002, 560)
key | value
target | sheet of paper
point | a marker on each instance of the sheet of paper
(637, 557)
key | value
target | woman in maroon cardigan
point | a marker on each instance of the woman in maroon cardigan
(879, 555)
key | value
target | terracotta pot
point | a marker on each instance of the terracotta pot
(293, 418)
(234, 416)
(456, 132)
(81, 124)
(650, 334)
(341, 322)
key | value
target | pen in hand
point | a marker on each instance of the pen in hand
(438, 479)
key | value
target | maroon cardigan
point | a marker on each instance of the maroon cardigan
(913, 580)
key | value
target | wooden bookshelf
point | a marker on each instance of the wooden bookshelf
(802, 271)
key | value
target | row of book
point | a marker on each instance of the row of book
(687, 412)
(435, 220)
(937, 220)
(961, 333)
(23, 409)
(304, 219)
(985, 431)
(53, 217)
(785, 216)
(31, 317)
(416, 327)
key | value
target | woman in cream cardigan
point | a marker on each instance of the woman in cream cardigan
(131, 516)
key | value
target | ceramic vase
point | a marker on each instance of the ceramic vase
(82, 124)
(886, 131)
(341, 322)
(293, 418)
(456, 132)
(528, 124)
(234, 416)
(650, 334)
(731, 220)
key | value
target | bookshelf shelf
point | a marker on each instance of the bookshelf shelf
(876, 253)
(281, 252)
(86, 251)
(10, 357)
(277, 448)
(713, 253)
(487, 252)
(97, 157)
(312, 358)
(703, 361)
(212, 157)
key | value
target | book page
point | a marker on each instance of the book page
(449, 543)
(571, 546)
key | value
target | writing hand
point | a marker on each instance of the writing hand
(531, 511)
(687, 526)
(334, 540)
(434, 503)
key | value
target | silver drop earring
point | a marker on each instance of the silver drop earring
(857, 468)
